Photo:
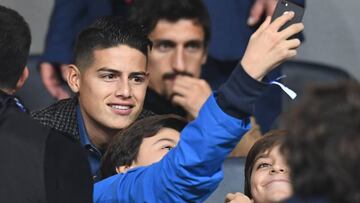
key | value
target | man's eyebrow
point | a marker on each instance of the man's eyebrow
(141, 73)
(105, 69)
(195, 41)
(164, 41)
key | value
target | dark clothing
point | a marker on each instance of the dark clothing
(160, 105)
(61, 116)
(307, 200)
(94, 154)
(38, 165)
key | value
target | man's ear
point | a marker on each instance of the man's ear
(23, 77)
(204, 59)
(122, 169)
(73, 78)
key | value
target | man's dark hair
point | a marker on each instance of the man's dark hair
(270, 140)
(107, 32)
(150, 12)
(125, 146)
(15, 40)
(323, 143)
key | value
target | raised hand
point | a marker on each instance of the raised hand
(268, 47)
(190, 93)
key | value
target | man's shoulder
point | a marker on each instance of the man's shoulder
(19, 124)
(60, 116)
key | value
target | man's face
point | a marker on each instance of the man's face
(112, 89)
(178, 48)
(153, 149)
(270, 180)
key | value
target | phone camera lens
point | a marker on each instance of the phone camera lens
(284, 3)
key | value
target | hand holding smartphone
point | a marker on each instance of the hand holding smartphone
(286, 6)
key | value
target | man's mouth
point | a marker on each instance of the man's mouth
(121, 109)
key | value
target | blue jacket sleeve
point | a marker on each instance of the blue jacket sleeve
(67, 20)
(192, 170)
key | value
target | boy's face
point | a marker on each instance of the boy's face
(153, 149)
(270, 181)
(112, 89)
(178, 48)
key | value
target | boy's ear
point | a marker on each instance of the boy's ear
(73, 78)
(23, 77)
(122, 169)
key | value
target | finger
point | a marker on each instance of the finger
(292, 44)
(270, 7)
(264, 25)
(230, 196)
(186, 81)
(179, 100)
(179, 89)
(280, 21)
(292, 30)
(62, 94)
(64, 71)
(256, 12)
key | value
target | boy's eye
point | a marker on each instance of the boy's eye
(168, 147)
(263, 165)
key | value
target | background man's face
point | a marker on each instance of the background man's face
(178, 48)
(112, 89)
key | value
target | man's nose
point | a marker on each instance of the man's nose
(123, 89)
(179, 64)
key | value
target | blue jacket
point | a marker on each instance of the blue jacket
(191, 171)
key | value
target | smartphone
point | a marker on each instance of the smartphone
(284, 6)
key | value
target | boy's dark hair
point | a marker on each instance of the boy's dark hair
(149, 12)
(15, 40)
(323, 143)
(125, 146)
(107, 32)
(270, 140)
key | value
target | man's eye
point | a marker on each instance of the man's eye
(193, 47)
(164, 47)
(108, 77)
(138, 79)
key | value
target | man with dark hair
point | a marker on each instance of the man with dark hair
(192, 170)
(323, 145)
(34, 160)
(110, 79)
(180, 32)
